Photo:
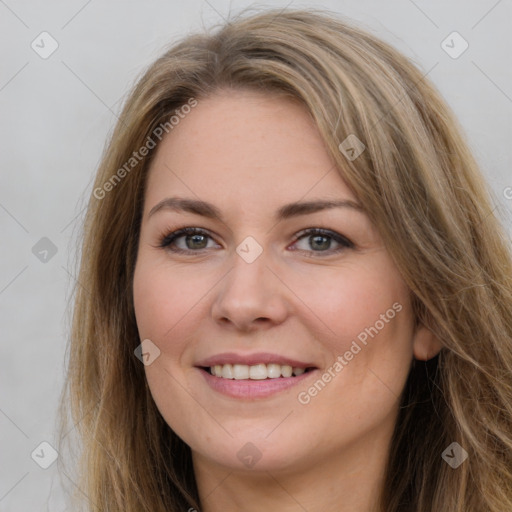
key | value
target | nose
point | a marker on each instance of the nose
(251, 296)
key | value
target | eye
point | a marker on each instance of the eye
(320, 240)
(192, 240)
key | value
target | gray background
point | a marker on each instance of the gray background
(56, 114)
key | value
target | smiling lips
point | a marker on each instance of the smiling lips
(259, 366)
(251, 376)
(255, 372)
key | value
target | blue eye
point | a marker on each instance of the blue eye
(188, 240)
(195, 239)
(321, 241)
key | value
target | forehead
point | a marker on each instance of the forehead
(245, 148)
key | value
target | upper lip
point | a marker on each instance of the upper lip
(253, 359)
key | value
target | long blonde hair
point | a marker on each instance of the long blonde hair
(421, 187)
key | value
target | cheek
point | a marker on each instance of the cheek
(348, 301)
(163, 297)
(163, 310)
(364, 314)
(151, 295)
(171, 303)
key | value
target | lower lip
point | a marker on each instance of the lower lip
(253, 388)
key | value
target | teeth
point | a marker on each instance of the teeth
(254, 372)
(257, 372)
(227, 372)
(240, 371)
(273, 371)
(286, 371)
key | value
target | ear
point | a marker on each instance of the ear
(426, 344)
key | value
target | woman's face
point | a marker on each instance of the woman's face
(257, 295)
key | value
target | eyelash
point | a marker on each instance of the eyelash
(345, 243)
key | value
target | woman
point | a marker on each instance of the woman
(293, 291)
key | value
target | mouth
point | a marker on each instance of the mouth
(259, 371)
(253, 376)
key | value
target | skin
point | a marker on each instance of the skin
(249, 154)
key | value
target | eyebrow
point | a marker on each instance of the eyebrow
(287, 211)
